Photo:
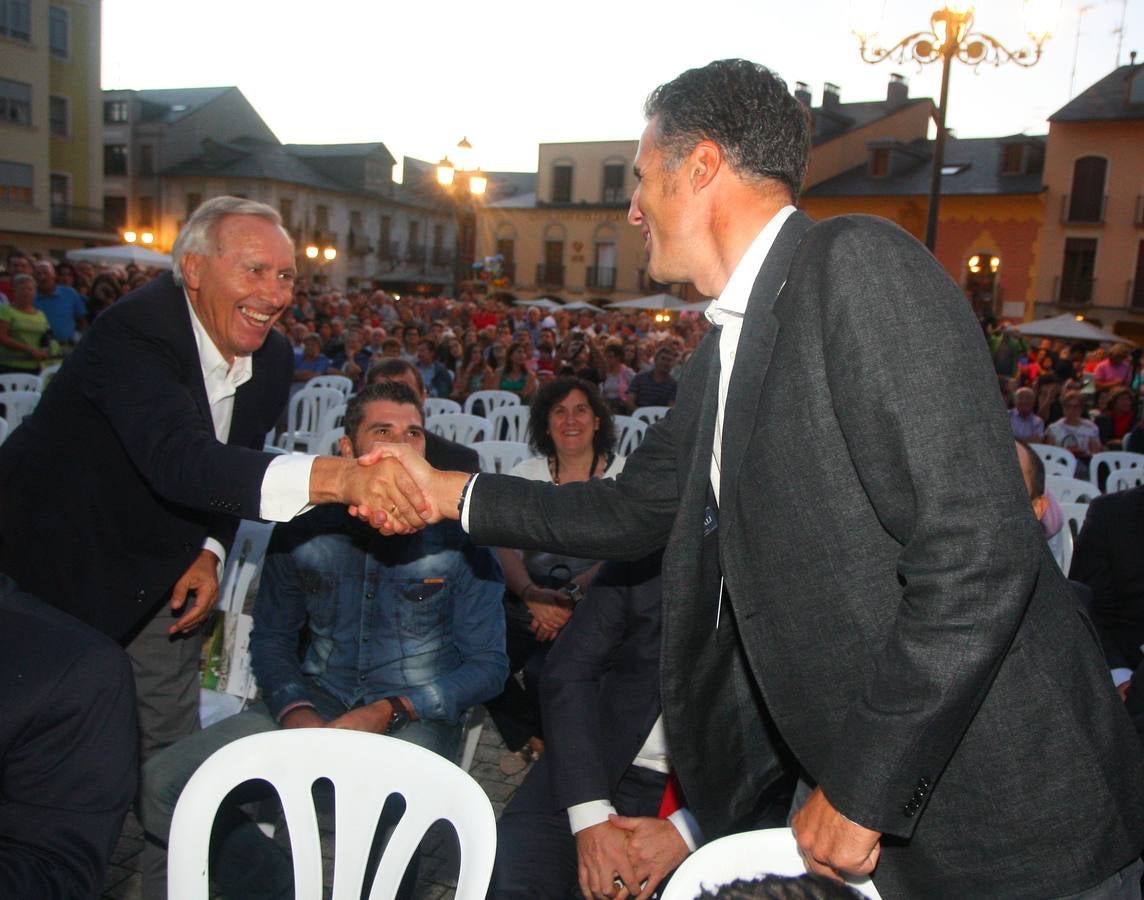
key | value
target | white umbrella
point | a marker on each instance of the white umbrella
(655, 301)
(1068, 327)
(122, 255)
(581, 304)
(539, 303)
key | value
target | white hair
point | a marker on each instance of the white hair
(199, 235)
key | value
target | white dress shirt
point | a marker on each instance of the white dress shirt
(286, 484)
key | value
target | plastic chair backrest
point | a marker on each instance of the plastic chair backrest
(1074, 515)
(510, 423)
(435, 406)
(47, 373)
(365, 769)
(1066, 489)
(629, 433)
(1057, 460)
(1113, 461)
(498, 457)
(3, 430)
(749, 855)
(333, 417)
(459, 427)
(18, 404)
(337, 382)
(17, 381)
(329, 443)
(304, 414)
(1061, 545)
(488, 401)
(1123, 480)
(650, 414)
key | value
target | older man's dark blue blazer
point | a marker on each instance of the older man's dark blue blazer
(109, 488)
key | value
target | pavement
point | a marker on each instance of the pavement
(437, 877)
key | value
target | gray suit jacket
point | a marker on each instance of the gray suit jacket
(914, 641)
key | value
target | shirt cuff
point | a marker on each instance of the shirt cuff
(216, 548)
(286, 487)
(1120, 675)
(465, 518)
(687, 827)
(585, 815)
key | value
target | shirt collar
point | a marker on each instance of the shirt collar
(736, 293)
(214, 364)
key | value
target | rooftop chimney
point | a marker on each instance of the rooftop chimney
(897, 91)
(830, 95)
(802, 93)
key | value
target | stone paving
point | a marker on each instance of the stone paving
(437, 877)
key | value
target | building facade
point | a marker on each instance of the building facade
(51, 182)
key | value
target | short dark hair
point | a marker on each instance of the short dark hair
(763, 131)
(781, 887)
(552, 393)
(393, 367)
(393, 391)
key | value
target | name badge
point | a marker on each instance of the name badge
(710, 521)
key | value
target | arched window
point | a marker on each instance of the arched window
(1086, 203)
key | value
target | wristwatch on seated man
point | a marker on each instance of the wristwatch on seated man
(399, 717)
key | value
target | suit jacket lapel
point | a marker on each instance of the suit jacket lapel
(756, 343)
(184, 340)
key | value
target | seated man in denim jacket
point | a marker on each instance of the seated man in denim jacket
(402, 635)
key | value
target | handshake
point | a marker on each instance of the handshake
(395, 490)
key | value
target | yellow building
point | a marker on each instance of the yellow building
(51, 178)
(1092, 259)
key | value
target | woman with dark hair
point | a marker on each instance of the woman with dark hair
(1118, 418)
(104, 291)
(571, 431)
(514, 374)
(471, 374)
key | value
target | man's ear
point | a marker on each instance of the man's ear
(190, 266)
(1041, 506)
(346, 447)
(703, 164)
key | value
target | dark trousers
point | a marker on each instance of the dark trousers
(516, 710)
(536, 850)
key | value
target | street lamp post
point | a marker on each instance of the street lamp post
(951, 36)
(464, 193)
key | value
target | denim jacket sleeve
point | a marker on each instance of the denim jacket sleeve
(279, 617)
(479, 635)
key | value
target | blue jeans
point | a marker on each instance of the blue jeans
(245, 863)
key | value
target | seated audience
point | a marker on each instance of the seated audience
(402, 635)
(571, 430)
(434, 374)
(312, 362)
(514, 374)
(1118, 418)
(68, 749)
(1074, 433)
(655, 387)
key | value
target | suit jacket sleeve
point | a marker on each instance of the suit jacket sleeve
(934, 454)
(139, 381)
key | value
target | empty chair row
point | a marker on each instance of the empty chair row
(1059, 461)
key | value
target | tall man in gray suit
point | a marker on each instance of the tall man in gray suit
(854, 567)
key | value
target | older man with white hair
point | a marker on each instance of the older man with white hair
(120, 493)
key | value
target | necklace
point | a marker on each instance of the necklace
(554, 467)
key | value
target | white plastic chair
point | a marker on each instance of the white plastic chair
(435, 406)
(17, 381)
(3, 430)
(1124, 480)
(333, 417)
(1074, 515)
(47, 373)
(1066, 489)
(650, 414)
(337, 382)
(750, 854)
(330, 443)
(498, 457)
(18, 404)
(1057, 460)
(459, 427)
(488, 401)
(630, 433)
(365, 770)
(510, 423)
(1061, 545)
(304, 415)
(1111, 461)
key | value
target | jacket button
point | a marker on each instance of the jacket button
(909, 809)
(140, 596)
(923, 782)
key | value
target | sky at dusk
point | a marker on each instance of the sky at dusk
(510, 74)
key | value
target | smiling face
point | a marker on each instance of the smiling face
(572, 423)
(240, 292)
(660, 209)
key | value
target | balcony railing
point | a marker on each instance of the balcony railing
(415, 253)
(388, 250)
(1081, 217)
(81, 218)
(1073, 291)
(549, 276)
(441, 257)
(602, 278)
(358, 246)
